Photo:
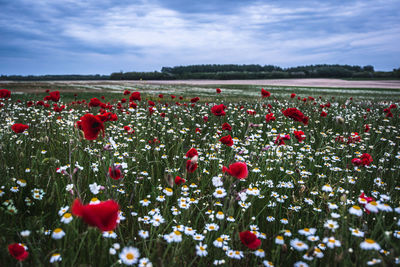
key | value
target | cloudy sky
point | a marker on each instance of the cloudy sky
(104, 36)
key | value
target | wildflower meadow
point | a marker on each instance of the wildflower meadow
(149, 179)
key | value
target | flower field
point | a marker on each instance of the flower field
(142, 179)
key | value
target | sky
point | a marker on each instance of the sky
(103, 36)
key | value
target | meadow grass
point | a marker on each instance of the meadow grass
(297, 185)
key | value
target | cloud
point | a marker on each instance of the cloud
(146, 35)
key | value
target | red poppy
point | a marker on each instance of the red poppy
(127, 92)
(135, 96)
(172, 96)
(367, 199)
(94, 102)
(179, 180)
(4, 93)
(160, 95)
(293, 95)
(227, 140)
(162, 114)
(299, 135)
(151, 103)
(91, 126)
(250, 240)
(192, 153)
(226, 126)
(294, 114)
(218, 90)
(205, 118)
(19, 127)
(17, 251)
(194, 99)
(237, 169)
(218, 110)
(270, 117)
(367, 128)
(103, 215)
(132, 105)
(55, 96)
(365, 160)
(191, 165)
(151, 110)
(115, 172)
(265, 93)
(280, 140)
(323, 114)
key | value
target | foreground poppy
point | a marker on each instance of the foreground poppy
(299, 136)
(218, 110)
(364, 160)
(227, 140)
(103, 215)
(250, 240)
(19, 127)
(115, 172)
(226, 126)
(135, 96)
(191, 153)
(265, 93)
(18, 251)
(91, 126)
(4, 93)
(237, 170)
(296, 115)
(179, 180)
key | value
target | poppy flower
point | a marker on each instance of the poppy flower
(4, 93)
(270, 117)
(280, 140)
(227, 140)
(17, 251)
(250, 240)
(94, 102)
(293, 95)
(135, 96)
(127, 92)
(91, 126)
(218, 110)
(365, 160)
(19, 127)
(299, 135)
(218, 90)
(103, 215)
(55, 96)
(161, 96)
(191, 165)
(115, 172)
(226, 126)
(265, 93)
(194, 99)
(132, 105)
(367, 128)
(151, 103)
(192, 153)
(237, 170)
(205, 118)
(323, 114)
(296, 115)
(179, 180)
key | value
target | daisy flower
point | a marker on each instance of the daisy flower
(129, 255)
(369, 244)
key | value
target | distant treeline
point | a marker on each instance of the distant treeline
(229, 72)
